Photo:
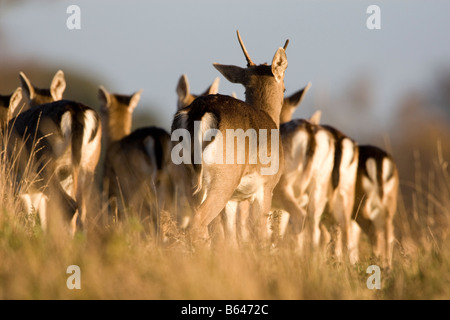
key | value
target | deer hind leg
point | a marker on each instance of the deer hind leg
(243, 222)
(342, 232)
(223, 228)
(352, 230)
(390, 203)
(229, 220)
(216, 195)
(36, 203)
(316, 207)
(287, 201)
(259, 215)
(379, 222)
(389, 242)
(277, 224)
(354, 236)
(345, 199)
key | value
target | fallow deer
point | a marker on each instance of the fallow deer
(135, 168)
(304, 185)
(320, 169)
(235, 219)
(375, 193)
(57, 146)
(376, 200)
(138, 172)
(341, 197)
(185, 98)
(214, 182)
(137, 175)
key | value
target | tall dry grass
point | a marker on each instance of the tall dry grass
(118, 261)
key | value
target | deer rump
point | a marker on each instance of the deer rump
(137, 170)
(224, 113)
(55, 142)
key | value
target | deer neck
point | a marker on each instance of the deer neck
(269, 100)
(117, 127)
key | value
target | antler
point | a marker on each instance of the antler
(286, 44)
(249, 61)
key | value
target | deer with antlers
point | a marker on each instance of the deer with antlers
(230, 172)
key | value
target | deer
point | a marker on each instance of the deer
(135, 162)
(137, 171)
(55, 146)
(341, 197)
(184, 99)
(304, 184)
(320, 171)
(235, 219)
(375, 193)
(375, 204)
(213, 181)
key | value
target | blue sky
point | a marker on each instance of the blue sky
(134, 44)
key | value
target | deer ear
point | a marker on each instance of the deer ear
(315, 118)
(135, 100)
(14, 102)
(58, 86)
(279, 64)
(233, 74)
(183, 87)
(27, 87)
(213, 88)
(104, 97)
(296, 98)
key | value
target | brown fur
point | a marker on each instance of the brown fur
(217, 184)
(136, 170)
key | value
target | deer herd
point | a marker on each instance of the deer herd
(326, 188)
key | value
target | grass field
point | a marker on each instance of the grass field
(117, 262)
